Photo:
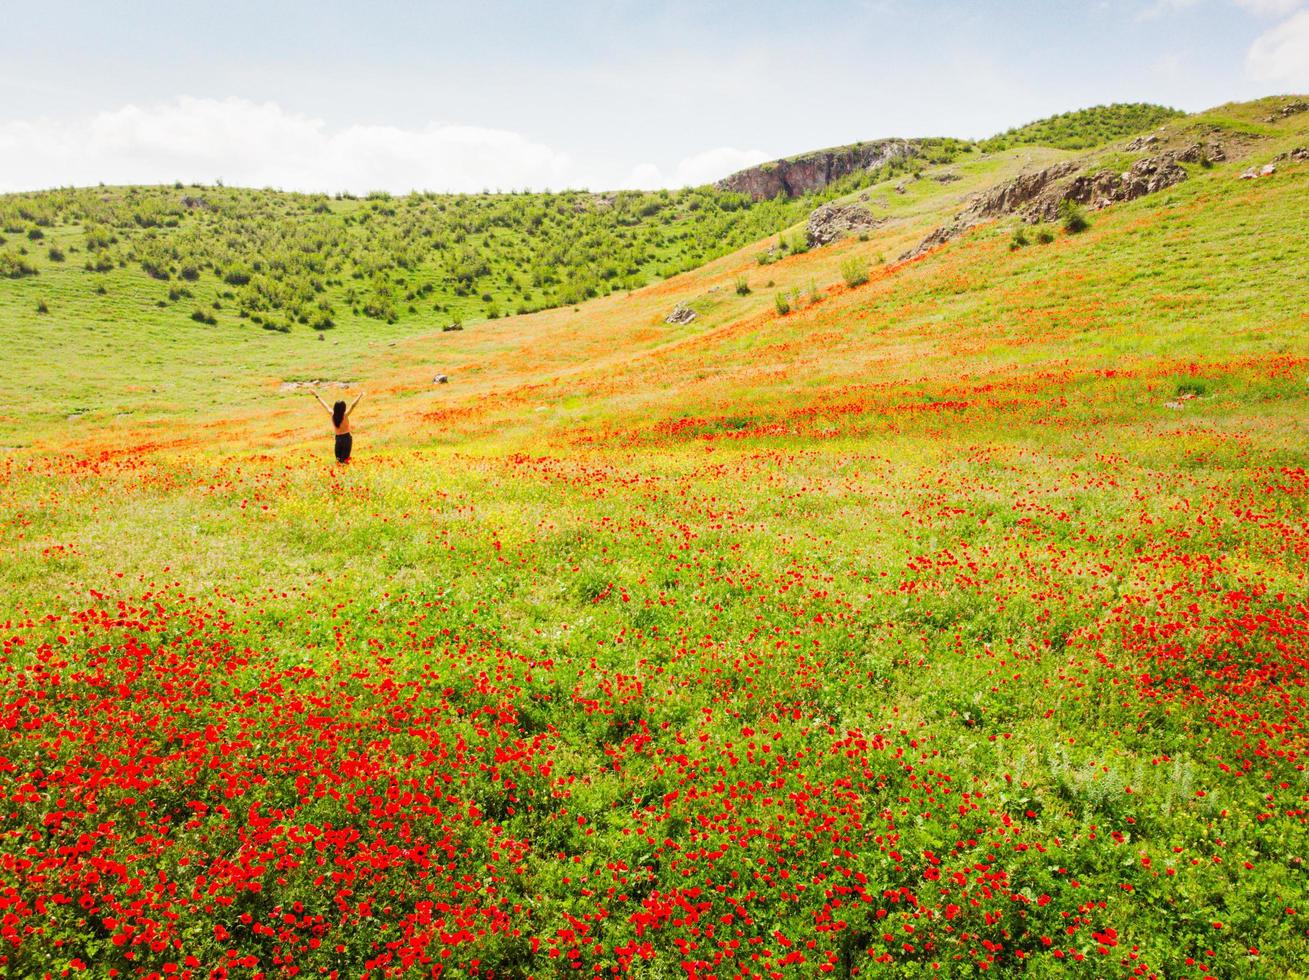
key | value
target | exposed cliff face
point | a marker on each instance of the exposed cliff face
(814, 171)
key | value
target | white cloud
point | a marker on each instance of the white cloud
(1281, 54)
(713, 164)
(257, 145)
(1270, 8)
(699, 168)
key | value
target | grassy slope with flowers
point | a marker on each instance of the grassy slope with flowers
(956, 622)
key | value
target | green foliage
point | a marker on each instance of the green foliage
(742, 286)
(1073, 216)
(1019, 238)
(14, 266)
(1044, 236)
(854, 270)
(1083, 128)
(782, 302)
(285, 255)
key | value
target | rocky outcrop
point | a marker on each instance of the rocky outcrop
(1038, 196)
(1287, 110)
(832, 222)
(1006, 198)
(801, 175)
(681, 314)
(1105, 187)
(1143, 143)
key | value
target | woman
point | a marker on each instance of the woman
(341, 425)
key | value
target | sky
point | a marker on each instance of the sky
(478, 95)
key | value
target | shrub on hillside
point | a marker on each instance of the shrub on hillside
(204, 316)
(1074, 217)
(15, 266)
(1044, 236)
(783, 303)
(1019, 239)
(56, 253)
(742, 286)
(854, 271)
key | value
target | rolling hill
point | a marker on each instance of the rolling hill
(891, 617)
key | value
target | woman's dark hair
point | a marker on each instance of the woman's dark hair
(338, 413)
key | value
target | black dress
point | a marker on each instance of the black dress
(344, 442)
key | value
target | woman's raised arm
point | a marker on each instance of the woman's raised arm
(358, 398)
(326, 407)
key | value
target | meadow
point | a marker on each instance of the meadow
(950, 623)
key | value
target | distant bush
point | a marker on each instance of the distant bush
(1044, 236)
(783, 303)
(56, 253)
(204, 316)
(41, 306)
(1019, 239)
(1074, 217)
(189, 272)
(815, 294)
(854, 271)
(742, 286)
(155, 269)
(36, 234)
(14, 266)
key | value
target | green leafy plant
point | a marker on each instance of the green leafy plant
(854, 270)
(1073, 216)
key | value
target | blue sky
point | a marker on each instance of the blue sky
(600, 93)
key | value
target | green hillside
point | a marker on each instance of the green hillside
(939, 618)
(218, 255)
(1084, 128)
(281, 260)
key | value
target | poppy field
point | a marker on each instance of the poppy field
(951, 624)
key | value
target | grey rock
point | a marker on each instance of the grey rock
(681, 314)
(832, 222)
